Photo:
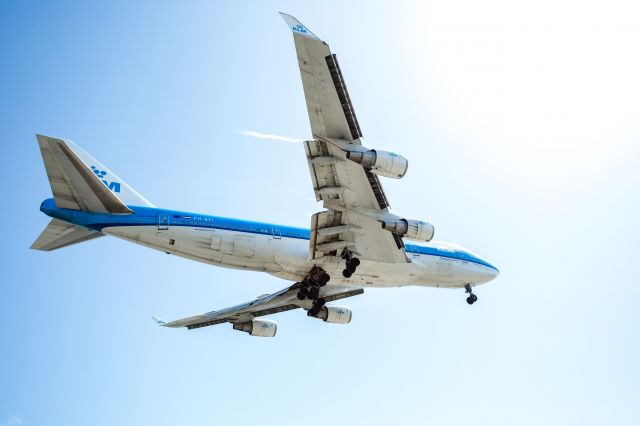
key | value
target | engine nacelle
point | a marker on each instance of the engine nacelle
(382, 163)
(260, 328)
(335, 315)
(416, 230)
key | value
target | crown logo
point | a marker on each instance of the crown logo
(99, 173)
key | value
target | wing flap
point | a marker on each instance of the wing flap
(343, 96)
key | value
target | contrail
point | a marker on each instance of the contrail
(269, 136)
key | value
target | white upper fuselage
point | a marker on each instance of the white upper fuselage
(278, 250)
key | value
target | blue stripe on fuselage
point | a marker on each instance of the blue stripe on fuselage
(149, 216)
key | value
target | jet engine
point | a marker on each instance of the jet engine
(260, 328)
(382, 163)
(416, 230)
(335, 315)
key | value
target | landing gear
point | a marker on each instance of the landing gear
(318, 304)
(352, 264)
(472, 297)
(310, 289)
(318, 277)
(310, 286)
(314, 292)
(303, 293)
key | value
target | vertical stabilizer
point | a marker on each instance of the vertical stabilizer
(122, 190)
(79, 182)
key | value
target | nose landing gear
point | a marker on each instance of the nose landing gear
(472, 297)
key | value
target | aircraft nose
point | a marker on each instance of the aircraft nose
(484, 274)
(489, 272)
(494, 272)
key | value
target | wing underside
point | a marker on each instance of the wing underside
(281, 301)
(346, 188)
(331, 113)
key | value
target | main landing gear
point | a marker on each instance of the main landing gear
(352, 264)
(310, 289)
(472, 297)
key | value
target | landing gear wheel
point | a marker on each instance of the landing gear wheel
(315, 276)
(324, 279)
(351, 263)
(303, 293)
(317, 307)
(314, 292)
(315, 310)
(472, 297)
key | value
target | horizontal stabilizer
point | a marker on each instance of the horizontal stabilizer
(60, 234)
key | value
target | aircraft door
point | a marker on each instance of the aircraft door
(445, 267)
(275, 232)
(244, 246)
(163, 222)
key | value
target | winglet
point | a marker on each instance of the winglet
(158, 321)
(297, 27)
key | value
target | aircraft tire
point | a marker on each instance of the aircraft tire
(314, 292)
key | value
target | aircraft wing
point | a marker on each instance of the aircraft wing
(330, 110)
(283, 300)
(346, 188)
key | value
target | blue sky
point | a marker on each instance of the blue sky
(520, 121)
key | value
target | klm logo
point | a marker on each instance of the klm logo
(299, 29)
(113, 186)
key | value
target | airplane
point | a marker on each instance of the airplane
(354, 243)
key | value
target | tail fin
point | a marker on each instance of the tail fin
(60, 234)
(79, 182)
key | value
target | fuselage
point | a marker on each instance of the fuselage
(276, 249)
